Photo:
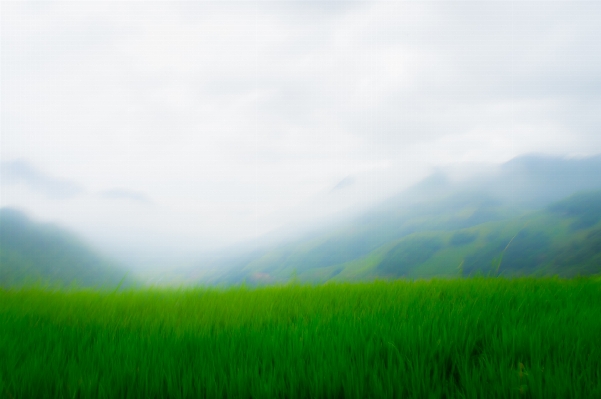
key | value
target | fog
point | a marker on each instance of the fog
(162, 132)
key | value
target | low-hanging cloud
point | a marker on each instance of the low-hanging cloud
(125, 194)
(22, 172)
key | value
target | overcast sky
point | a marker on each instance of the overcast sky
(197, 124)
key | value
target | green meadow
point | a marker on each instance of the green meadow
(456, 338)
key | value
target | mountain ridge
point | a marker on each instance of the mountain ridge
(439, 207)
(33, 252)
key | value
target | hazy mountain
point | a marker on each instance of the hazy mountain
(447, 226)
(532, 215)
(539, 180)
(36, 252)
(562, 239)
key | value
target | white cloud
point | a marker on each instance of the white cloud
(231, 116)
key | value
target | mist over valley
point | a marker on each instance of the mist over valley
(534, 215)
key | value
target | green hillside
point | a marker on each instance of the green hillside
(33, 252)
(461, 235)
(321, 257)
(563, 239)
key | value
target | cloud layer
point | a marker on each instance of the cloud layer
(232, 115)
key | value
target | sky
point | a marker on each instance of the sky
(189, 126)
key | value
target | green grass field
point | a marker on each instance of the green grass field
(458, 338)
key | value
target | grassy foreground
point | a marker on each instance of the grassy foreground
(467, 338)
